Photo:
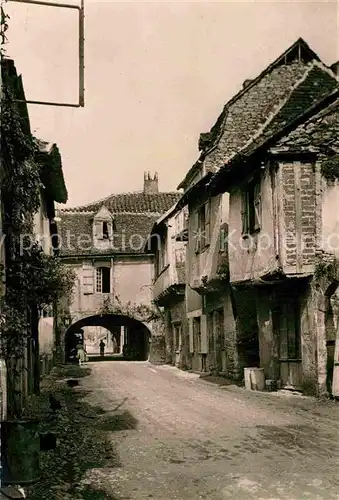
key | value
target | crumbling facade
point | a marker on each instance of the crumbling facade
(274, 150)
(168, 244)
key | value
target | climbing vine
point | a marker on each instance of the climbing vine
(330, 168)
(141, 312)
(328, 270)
(33, 279)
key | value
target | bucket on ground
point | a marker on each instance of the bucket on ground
(254, 379)
(20, 450)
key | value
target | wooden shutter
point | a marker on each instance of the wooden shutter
(110, 230)
(197, 232)
(257, 206)
(244, 212)
(98, 228)
(204, 339)
(88, 279)
(190, 334)
(207, 222)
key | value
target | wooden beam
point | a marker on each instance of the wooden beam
(298, 217)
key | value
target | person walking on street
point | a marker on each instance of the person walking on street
(102, 348)
(81, 355)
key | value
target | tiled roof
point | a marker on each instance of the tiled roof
(298, 88)
(321, 131)
(130, 234)
(134, 215)
(132, 202)
(317, 84)
(249, 112)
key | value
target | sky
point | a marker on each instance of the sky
(157, 74)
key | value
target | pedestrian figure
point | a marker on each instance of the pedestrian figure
(102, 348)
(81, 355)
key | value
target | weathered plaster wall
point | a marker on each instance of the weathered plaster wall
(254, 256)
(177, 316)
(330, 217)
(46, 344)
(288, 234)
(132, 279)
(205, 264)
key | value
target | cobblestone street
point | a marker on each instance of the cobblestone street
(180, 437)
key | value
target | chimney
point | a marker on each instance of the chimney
(150, 184)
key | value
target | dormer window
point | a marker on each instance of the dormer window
(105, 232)
(103, 227)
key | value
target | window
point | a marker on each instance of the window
(251, 208)
(177, 224)
(105, 233)
(161, 257)
(102, 230)
(103, 280)
(203, 231)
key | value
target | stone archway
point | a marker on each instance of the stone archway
(136, 334)
(326, 316)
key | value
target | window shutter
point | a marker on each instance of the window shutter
(204, 341)
(88, 279)
(98, 227)
(244, 213)
(197, 232)
(207, 222)
(190, 334)
(110, 230)
(257, 206)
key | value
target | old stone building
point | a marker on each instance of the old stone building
(208, 296)
(274, 151)
(168, 240)
(104, 242)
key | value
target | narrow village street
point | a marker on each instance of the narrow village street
(180, 437)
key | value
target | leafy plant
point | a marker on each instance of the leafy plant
(330, 168)
(34, 280)
(141, 312)
(326, 269)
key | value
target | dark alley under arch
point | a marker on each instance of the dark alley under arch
(136, 336)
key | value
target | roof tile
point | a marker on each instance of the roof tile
(134, 215)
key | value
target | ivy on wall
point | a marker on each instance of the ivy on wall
(141, 312)
(33, 279)
(328, 270)
(330, 168)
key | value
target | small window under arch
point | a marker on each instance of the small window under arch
(103, 280)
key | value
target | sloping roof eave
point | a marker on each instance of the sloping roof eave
(244, 155)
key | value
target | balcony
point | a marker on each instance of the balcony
(167, 286)
(210, 268)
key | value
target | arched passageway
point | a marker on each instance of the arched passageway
(332, 330)
(122, 336)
